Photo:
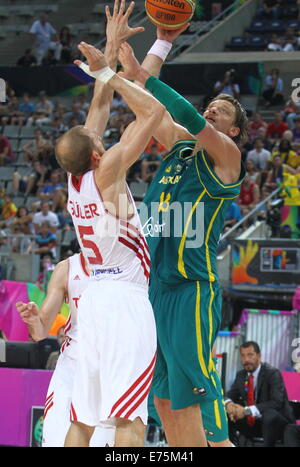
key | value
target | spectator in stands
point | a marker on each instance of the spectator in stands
(26, 107)
(290, 112)
(53, 191)
(269, 9)
(292, 436)
(57, 128)
(43, 32)
(233, 216)
(150, 164)
(49, 59)
(44, 106)
(59, 111)
(257, 403)
(65, 46)
(253, 173)
(286, 154)
(23, 220)
(255, 123)
(249, 195)
(276, 128)
(259, 155)
(12, 112)
(289, 40)
(9, 211)
(37, 148)
(76, 113)
(45, 215)
(30, 184)
(45, 241)
(296, 131)
(275, 175)
(275, 44)
(273, 93)
(28, 59)
(228, 85)
(160, 148)
(262, 134)
(6, 153)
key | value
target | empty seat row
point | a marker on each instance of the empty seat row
(273, 26)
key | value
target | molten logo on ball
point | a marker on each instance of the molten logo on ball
(169, 14)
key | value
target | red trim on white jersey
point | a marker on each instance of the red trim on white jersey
(73, 415)
(48, 404)
(140, 386)
(66, 343)
(76, 182)
(133, 239)
(82, 262)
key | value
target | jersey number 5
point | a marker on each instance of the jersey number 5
(84, 230)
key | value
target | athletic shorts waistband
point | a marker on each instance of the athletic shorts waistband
(118, 284)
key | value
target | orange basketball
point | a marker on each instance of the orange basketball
(169, 14)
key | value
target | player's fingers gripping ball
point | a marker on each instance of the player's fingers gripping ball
(169, 14)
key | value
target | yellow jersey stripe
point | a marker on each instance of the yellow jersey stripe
(199, 334)
(217, 414)
(215, 178)
(211, 276)
(181, 267)
(203, 184)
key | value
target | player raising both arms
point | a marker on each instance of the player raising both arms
(202, 173)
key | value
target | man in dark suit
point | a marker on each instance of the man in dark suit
(257, 403)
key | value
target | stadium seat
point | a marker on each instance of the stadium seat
(257, 42)
(257, 26)
(27, 132)
(275, 26)
(19, 201)
(6, 173)
(14, 142)
(11, 131)
(237, 42)
(293, 23)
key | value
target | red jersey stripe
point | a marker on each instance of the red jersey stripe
(138, 403)
(47, 409)
(134, 385)
(73, 414)
(50, 395)
(135, 395)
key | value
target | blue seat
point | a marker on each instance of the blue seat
(275, 26)
(258, 42)
(290, 11)
(293, 23)
(258, 26)
(238, 41)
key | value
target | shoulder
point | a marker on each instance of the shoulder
(267, 368)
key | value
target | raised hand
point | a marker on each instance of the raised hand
(128, 61)
(117, 29)
(170, 34)
(95, 58)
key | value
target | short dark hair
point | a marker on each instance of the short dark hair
(241, 120)
(253, 344)
(74, 141)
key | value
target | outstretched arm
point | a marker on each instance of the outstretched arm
(40, 321)
(117, 31)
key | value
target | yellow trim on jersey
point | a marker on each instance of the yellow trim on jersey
(215, 177)
(203, 184)
(210, 317)
(181, 267)
(211, 276)
(217, 414)
(175, 147)
(198, 332)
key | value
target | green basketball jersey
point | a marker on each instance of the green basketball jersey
(183, 215)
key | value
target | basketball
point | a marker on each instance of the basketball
(169, 14)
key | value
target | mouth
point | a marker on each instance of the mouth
(210, 120)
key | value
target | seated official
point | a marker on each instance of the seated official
(257, 404)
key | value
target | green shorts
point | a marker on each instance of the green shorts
(188, 318)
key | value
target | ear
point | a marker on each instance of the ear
(234, 131)
(95, 156)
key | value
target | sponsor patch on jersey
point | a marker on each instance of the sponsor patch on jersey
(99, 272)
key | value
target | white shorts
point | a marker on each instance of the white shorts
(116, 353)
(57, 409)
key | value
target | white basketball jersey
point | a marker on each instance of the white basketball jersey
(78, 279)
(114, 248)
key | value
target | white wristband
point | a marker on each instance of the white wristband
(161, 49)
(103, 75)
